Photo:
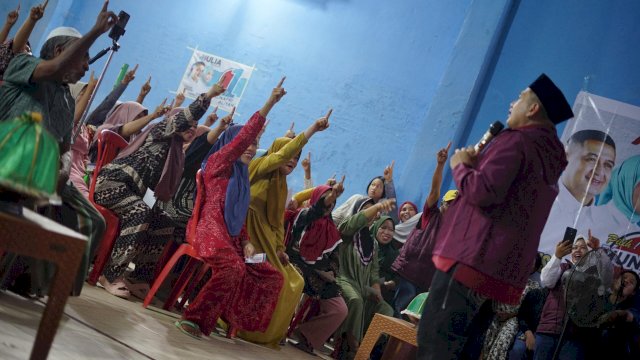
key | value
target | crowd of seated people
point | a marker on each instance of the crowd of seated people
(352, 259)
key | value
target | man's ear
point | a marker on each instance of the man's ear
(534, 108)
(58, 50)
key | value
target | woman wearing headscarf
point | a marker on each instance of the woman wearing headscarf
(414, 267)
(408, 217)
(265, 224)
(127, 120)
(81, 92)
(358, 276)
(623, 191)
(379, 188)
(243, 295)
(180, 207)
(383, 230)
(313, 249)
(154, 160)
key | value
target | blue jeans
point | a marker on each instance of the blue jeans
(405, 292)
(519, 350)
(546, 347)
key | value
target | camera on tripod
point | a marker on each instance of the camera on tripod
(118, 28)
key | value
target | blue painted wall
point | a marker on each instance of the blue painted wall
(377, 63)
(403, 76)
(569, 40)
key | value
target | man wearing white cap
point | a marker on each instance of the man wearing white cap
(34, 84)
(40, 84)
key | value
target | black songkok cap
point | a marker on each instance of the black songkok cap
(552, 99)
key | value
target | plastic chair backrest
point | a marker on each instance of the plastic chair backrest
(109, 145)
(195, 215)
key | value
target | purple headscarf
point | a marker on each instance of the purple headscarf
(236, 203)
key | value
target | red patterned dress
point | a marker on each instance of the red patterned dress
(243, 295)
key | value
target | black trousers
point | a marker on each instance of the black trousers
(454, 320)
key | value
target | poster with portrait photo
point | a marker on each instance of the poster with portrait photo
(204, 70)
(601, 183)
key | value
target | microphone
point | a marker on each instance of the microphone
(494, 130)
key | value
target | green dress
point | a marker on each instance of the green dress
(355, 280)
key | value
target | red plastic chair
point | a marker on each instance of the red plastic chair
(184, 249)
(309, 308)
(109, 144)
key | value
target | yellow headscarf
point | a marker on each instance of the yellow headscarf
(277, 185)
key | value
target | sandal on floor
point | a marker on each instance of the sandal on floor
(190, 324)
(116, 288)
(304, 346)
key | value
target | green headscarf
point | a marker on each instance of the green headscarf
(624, 180)
(387, 253)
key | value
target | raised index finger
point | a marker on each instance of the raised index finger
(448, 146)
(342, 180)
(329, 114)
(135, 68)
(393, 162)
(18, 9)
(293, 123)
(44, 5)
(281, 82)
(105, 6)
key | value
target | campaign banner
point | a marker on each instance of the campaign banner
(599, 191)
(204, 70)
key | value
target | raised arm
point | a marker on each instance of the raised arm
(272, 161)
(318, 209)
(188, 117)
(22, 36)
(306, 166)
(134, 127)
(321, 124)
(232, 151)
(436, 181)
(81, 103)
(224, 123)
(144, 91)
(390, 189)
(12, 18)
(56, 68)
(552, 271)
(99, 115)
(353, 223)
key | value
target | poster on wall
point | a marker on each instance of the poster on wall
(206, 69)
(600, 188)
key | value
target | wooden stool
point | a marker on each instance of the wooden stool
(382, 324)
(38, 237)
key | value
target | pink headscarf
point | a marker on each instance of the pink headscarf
(122, 114)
